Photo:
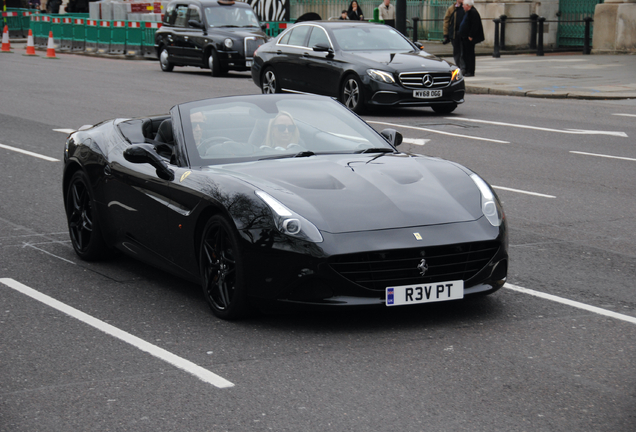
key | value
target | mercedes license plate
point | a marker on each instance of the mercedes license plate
(427, 94)
(424, 293)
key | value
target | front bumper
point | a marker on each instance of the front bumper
(387, 95)
(286, 273)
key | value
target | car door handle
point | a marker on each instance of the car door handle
(279, 52)
(306, 54)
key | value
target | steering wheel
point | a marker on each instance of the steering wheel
(209, 142)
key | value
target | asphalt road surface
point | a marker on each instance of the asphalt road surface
(121, 346)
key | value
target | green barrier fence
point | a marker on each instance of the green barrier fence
(12, 18)
(91, 36)
(56, 28)
(134, 38)
(118, 37)
(79, 34)
(104, 36)
(274, 28)
(66, 39)
(148, 40)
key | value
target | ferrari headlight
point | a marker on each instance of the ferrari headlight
(381, 76)
(456, 75)
(229, 43)
(489, 204)
(289, 222)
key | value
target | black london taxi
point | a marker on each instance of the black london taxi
(219, 35)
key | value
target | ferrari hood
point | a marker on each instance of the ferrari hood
(402, 61)
(346, 193)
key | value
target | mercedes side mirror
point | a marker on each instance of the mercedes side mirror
(322, 47)
(146, 153)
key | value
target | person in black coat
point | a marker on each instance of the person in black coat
(354, 12)
(472, 32)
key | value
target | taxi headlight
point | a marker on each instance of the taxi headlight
(490, 206)
(229, 43)
(381, 76)
(289, 222)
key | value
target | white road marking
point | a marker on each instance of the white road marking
(48, 253)
(604, 156)
(66, 131)
(416, 141)
(26, 152)
(568, 131)
(597, 310)
(181, 363)
(523, 192)
(624, 115)
(439, 132)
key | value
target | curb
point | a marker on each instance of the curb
(544, 95)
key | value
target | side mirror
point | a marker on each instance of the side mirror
(264, 27)
(419, 45)
(145, 153)
(196, 24)
(322, 47)
(392, 136)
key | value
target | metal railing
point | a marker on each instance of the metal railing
(536, 32)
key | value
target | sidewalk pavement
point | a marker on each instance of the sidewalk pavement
(554, 75)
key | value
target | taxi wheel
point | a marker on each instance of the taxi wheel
(444, 109)
(166, 66)
(215, 65)
(269, 83)
(351, 94)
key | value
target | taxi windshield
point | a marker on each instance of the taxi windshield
(228, 16)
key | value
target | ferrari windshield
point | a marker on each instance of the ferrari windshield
(273, 126)
(371, 38)
(228, 16)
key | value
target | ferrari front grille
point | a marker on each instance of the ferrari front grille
(415, 80)
(381, 269)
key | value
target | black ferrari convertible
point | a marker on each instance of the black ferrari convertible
(283, 199)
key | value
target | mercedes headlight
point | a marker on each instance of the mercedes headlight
(289, 222)
(456, 75)
(381, 76)
(229, 43)
(489, 203)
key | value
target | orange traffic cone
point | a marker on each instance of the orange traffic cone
(50, 47)
(6, 45)
(30, 48)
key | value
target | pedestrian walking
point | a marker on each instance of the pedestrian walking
(387, 13)
(452, 20)
(471, 32)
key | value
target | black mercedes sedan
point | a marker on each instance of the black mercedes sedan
(361, 64)
(219, 35)
(292, 200)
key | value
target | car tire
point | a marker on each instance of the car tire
(444, 109)
(164, 61)
(351, 94)
(215, 65)
(269, 83)
(83, 222)
(222, 270)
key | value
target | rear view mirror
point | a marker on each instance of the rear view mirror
(146, 153)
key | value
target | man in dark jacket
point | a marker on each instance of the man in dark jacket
(472, 32)
(452, 19)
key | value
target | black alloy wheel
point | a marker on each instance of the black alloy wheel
(445, 108)
(221, 266)
(165, 64)
(83, 224)
(351, 94)
(269, 83)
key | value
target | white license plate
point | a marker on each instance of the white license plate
(248, 63)
(427, 94)
(424, 293)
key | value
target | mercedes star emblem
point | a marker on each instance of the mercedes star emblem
(427, 80)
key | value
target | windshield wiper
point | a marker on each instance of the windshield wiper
(301, 154)
(376, 150)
